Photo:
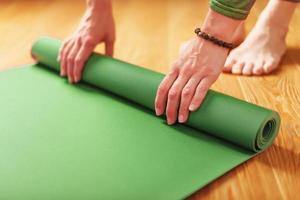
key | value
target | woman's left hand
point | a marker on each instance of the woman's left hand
(183, 89)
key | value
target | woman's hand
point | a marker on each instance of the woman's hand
(183, 89)
(97, 26)
(199, 64)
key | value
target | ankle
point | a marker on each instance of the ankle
(277, 15)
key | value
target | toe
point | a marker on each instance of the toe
(258, 68)
(237, 68)
(269, 66)
(247, 70)
(228, 64)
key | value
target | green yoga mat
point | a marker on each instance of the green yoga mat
(100, 139)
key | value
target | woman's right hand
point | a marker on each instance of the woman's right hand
(97, 26)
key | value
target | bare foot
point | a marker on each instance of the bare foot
(261, 51)
(263, 48)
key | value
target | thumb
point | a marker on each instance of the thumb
(109, 47)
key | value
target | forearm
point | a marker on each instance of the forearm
(96, 9)
(98, 4)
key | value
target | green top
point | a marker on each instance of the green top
(237, 9)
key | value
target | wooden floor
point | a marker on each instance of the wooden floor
(149, 34)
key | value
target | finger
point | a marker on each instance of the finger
(70, 60)
(61, 55)
(174, 97)
(186, 97)
(63, 62)
(80, 59)
(200, 93)
(163, 89)
(61, 50)
(109, 47)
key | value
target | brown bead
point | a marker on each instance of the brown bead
(213, 39)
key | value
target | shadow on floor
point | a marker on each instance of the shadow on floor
(282, 159)
(292, 56)
(290, 59)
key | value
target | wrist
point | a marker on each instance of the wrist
(220, 26)
(98, 9)
(96, 5)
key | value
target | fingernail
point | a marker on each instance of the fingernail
(181, 119)
(192, 107)
(170, 122)
(58, 59)
(62, 72)
(158, 112)
(70, 80)
(76, 79)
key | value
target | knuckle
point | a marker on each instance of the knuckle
(70, 59)
(208, 70)
(202, 90)
(162, 90)
(187, 91)
(88, 41)
(186, 71)
(173, 94)
(176, 65)
(77, 61)
(173, 72)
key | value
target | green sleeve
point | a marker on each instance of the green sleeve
(237, 9)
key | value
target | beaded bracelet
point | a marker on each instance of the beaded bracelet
(214, 39)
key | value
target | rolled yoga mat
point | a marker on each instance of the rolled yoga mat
(100, 139)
